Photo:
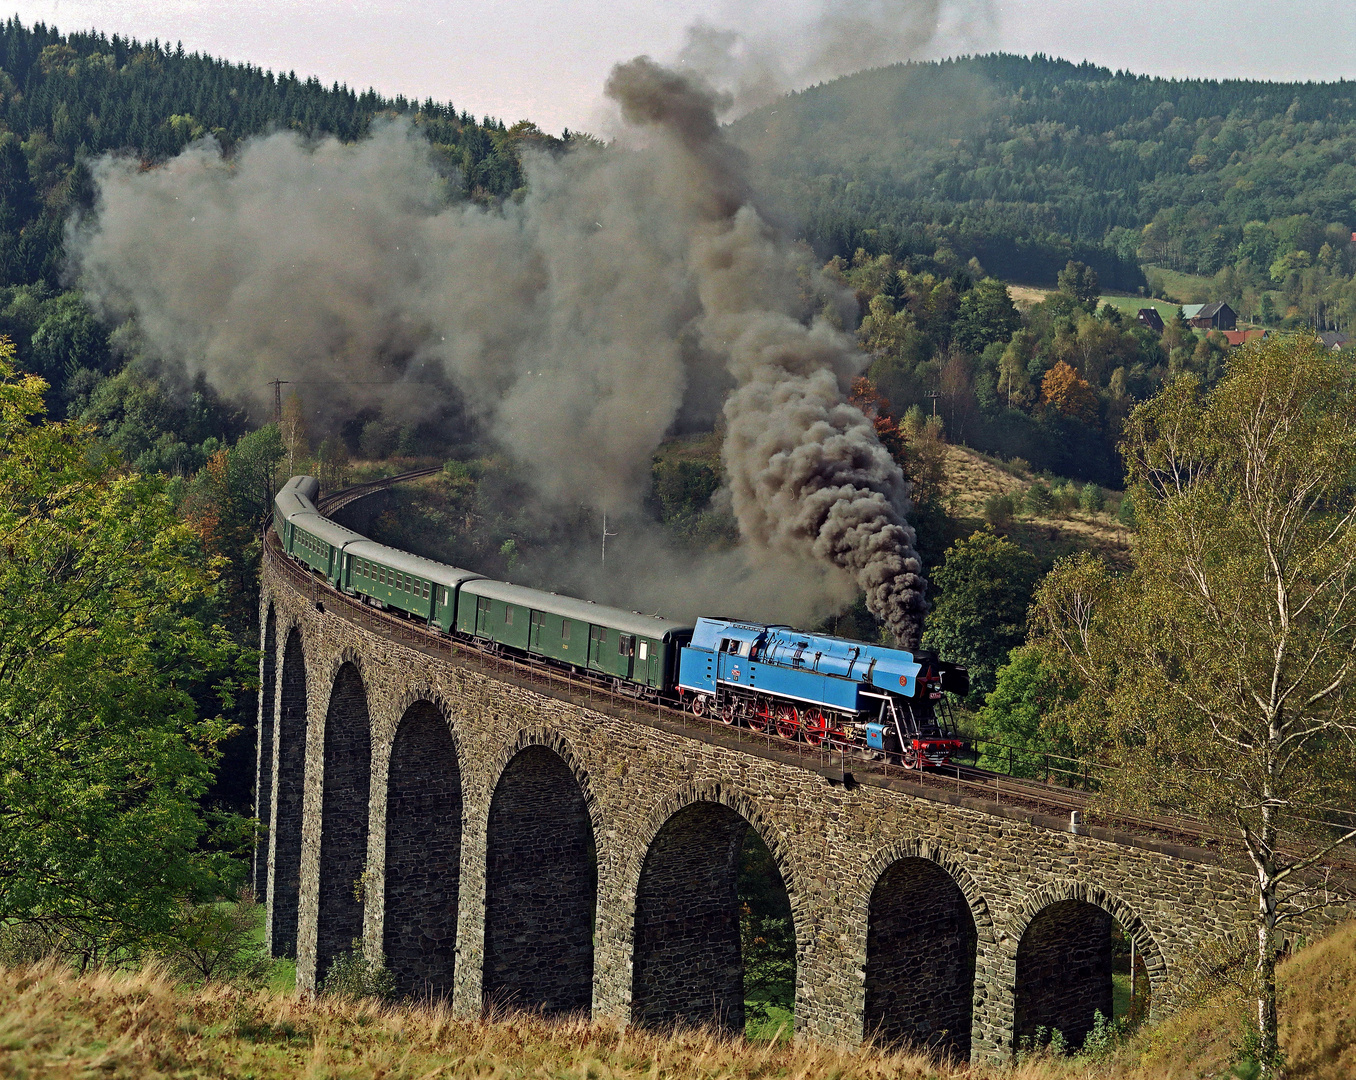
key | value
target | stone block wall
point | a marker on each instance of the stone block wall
(667, 806)
(920, 959)
(423, 855)
(347, 777)
(687, 966)
(263, 765)
(541, 888)
(1064, 972)
(285, 815)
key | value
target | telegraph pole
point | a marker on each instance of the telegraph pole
(277, 385)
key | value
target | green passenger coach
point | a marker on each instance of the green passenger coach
(397, 579)
(637, 648)
(319, 543)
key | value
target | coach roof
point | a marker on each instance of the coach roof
(439, 573)
(649, 626)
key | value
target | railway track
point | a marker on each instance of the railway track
(968, 783)
(328, 504)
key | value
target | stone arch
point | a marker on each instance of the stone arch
(686, 965)
(1063, 958)
(541, 884)
(560, 746)
(423, 852)
(290, 783)
(918, 848)
(345, 799)
(746, 808)
(263, 765)
(923, 919)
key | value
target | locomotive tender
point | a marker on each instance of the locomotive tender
(880, 701)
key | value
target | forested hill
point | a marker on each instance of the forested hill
(1024, 163)
(67, 97)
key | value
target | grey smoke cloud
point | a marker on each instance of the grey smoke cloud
(343, 270)
(627, 287)
(757, 65)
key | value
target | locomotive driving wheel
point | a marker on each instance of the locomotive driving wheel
(815, 726)
(788, 721)
(760, 716)
(729, 712)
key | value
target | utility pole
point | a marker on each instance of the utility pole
(277, 385)
(606, 534)
(934, 395)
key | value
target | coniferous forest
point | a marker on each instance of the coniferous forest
(1025, 163)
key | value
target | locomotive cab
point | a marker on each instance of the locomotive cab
(918, 730)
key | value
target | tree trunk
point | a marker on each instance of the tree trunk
(1267, 1024)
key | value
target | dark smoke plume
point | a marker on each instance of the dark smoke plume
(805, 469)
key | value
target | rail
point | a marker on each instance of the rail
(843, 764)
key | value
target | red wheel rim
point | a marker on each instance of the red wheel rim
(788, 721)
(729, 713)
(760, 717)
(816, 727)
(698, 706)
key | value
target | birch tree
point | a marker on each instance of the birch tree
(1219, 674)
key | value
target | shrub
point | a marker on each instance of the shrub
(217, 943)
(1126, 514)
(353, 976)
(378, 439)
(1065, 496)
(1000, 509)
(1038, 499)
(1103, 1037)
(1091, 498)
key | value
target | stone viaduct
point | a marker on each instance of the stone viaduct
(551, 849)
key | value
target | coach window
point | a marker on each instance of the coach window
(508, 615)
(564, 629)
(626, 644)
(644, 650)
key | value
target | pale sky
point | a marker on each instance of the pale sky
(546, 60)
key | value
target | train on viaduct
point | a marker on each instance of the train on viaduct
(496, 835)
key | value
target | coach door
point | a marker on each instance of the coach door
(626, 655)
(534, 624)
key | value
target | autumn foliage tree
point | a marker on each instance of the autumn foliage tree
(109, 639)
(1064, 389)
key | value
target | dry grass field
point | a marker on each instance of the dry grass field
(971, 478)
(56, 1024)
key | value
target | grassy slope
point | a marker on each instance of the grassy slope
(1318, 1024)
(55, 1024)
(972, 478)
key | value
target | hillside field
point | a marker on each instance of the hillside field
(972, 477)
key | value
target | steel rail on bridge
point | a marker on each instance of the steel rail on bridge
(968, 784)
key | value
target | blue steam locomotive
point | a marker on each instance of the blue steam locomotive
(776, 679)
(822, 689)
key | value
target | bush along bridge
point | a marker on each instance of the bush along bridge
(500, 832)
